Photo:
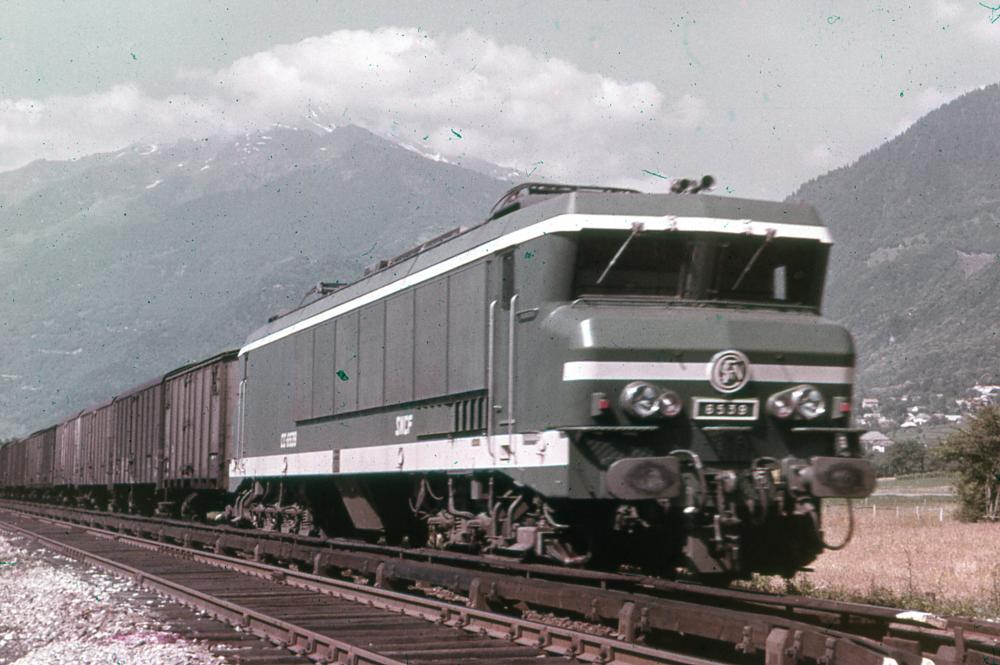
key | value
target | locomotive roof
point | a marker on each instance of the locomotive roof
(694, 212)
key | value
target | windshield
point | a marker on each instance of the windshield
(701, 266)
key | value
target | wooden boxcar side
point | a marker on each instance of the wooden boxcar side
(67, 462)
(136, 435)
(38, 453)
(95, 444)
(199, 401)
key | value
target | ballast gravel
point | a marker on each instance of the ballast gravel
(56, 610)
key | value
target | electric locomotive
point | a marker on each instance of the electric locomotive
(592, 375)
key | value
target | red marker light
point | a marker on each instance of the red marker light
(599, 404)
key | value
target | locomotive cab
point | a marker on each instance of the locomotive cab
(701, 390)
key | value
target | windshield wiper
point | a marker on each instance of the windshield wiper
(753, 259)
(636, 230)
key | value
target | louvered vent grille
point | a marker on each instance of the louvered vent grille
(470, 415)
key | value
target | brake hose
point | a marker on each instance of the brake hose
(850, 529)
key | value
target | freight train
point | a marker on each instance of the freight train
(593, 376)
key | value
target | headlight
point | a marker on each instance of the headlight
(669, 404)
(781, 405)
(644, 400)
(811, 404)
(804, 401)
(639, 399)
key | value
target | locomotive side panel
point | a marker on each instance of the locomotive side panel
(430, 353)
(345, 364)
(303, 348)
(410, 365)
(322, 369)
(371, 356)
(268, 393)
(467, 329)
(399, 348)
(432, 362)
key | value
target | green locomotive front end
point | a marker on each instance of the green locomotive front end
(705, 402)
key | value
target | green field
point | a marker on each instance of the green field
(917, 483)
(924, 489)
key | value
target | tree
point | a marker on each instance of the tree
(908, 457)
(974, 452)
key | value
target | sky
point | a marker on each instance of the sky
(762, 95)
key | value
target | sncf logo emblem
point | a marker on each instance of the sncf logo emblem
(728, 371)
(404, 424)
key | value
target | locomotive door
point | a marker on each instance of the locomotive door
(501, 418)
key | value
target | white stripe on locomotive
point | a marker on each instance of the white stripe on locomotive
(560, 224)
(589, 370)
(470, 453)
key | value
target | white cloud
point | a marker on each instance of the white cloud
(980, 20)
(509, 105)
(921, 104)
(986, 28)
(821, 156)
(688, 112)
(947, 11)
(65, 127)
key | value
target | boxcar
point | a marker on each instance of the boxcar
(135, 441)
(198, 402)
(38, 452)
(7, 464)
(95, 444)
(16, 461)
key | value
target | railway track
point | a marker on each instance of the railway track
(665, 616)
(333, 621)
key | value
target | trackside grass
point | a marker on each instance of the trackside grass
(907, 551)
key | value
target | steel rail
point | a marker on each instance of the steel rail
(555, 640)
(640, 612)
(285, 545)
(295, 638)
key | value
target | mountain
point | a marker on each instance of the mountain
(119, 266)
(915, 272)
